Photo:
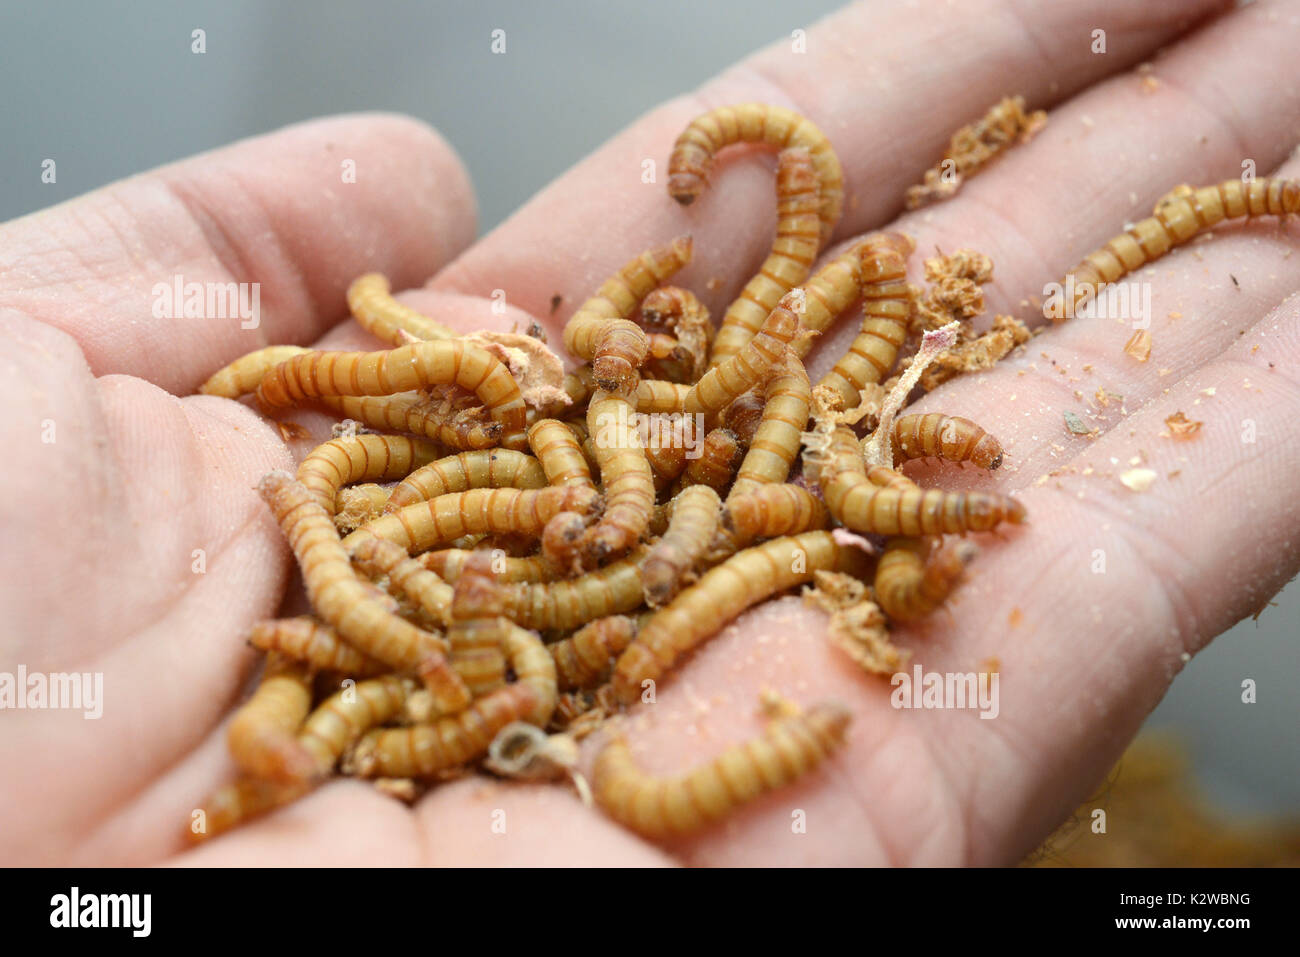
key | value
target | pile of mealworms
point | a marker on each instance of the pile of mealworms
(498, 560)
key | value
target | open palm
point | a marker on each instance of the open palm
(137, 547)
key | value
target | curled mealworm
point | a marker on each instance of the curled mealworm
(569, 603)
(798, 236)
(716, 464)
(307, 640)
(863, 506)
(559, 452)
(416, 413)
(261, 736)
(740, 372)
(371, 302)
(667, 807)
(775, 445)
(693, 153)
(484, 468)
(340, 720)
(625, 475)
(947, 437)
(677, 311)
(245, 374)
(360, 458)
(770, 511)
(406, 577)
(1180, 215)
(449, 563)
(240, 801)
(887, 302)
(695, 515)
(669, 448)
(911, 581)
(721, 594)
(415, 366)
(584, 659)
(601, 330)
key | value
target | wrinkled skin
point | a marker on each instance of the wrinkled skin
(101, 524)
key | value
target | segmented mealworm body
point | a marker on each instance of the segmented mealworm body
(477, 636)
(339, 721)
(449, 563)
(668, 449)
(261, 736)
(625, 475)
(830, 291)
(415, 366)
(911, 581)
(695, 515)
(798, 237)
(380, 558)
(716, 464)
(559, 451)
(307, 640)
(245, 374)
(484, 468)
(415, 413)
(775, 445)
(745, 415)
(569, 603)
(360, 458)
(372, 304)
(739, 373)
(241, 801)
(950, 437)
(667, 807)
(1179, 216)
(721, 594)
(655, 395)
(864, 506)
(693, 153)
(887, 302)
(770, 511)
(601, 330)
(677, 311)
(584, 659)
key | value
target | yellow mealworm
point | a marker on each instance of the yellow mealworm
(790, 747)
(693, 153)
(583, 660)
(380, 558)
(339, 721)
(744, 416)
(449, 563)
(422, 526)
(602, 331)
(716, 464)
(911, 581)
(572, 602)
(477, 635)
(358, 504)
(533, 667)
(677, 311)
(775, 445)
(414, 412)
(830, 291)
(415, 366)
(360, 458)
(739, 373)
(668, 458)
(559, 451)
(308, 640)
(798, 235)
(864, 506)
(887, 302)
(1179, 216)
(562, 541)
(695, 516)
(483, 468)
(625, 476)
(261, 736)
(336, 594)
(770, 511)
(245, 374)
(722, 593)
(655, 395)
(240, 801)
(948, 437)
(372, 304)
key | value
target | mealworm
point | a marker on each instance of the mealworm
(414, 412)
(380, 558)
(245, 374)
(241, 801)
(722, 593)
(739, 373)
(948, 437)
(775, 445)
(307, 640)
(625, 475)
(360, 458)
(790, 747)
(679, 312)
(790, 261)
(421, 526)
(771, 511)
(415, 366)
(1180, 215)
(911, 581)
(693, 153)
(863, 506)
(584, 659)
(562, 541)
(449, 563)
(477, 636)
(655, 395)
(716, 464)
(602, 331)
(336, 594)
(533, 667)
(483, 468)
(341, 719)
(695, 515)
(572, 602)
(358, 504)
(261, 736)
(667, 455)
(887, 301)
(744, 415)
(559, 452)
(830, 291)
(372, 304)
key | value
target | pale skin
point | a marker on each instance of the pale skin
(136, 479)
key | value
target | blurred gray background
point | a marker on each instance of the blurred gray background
(111, 89)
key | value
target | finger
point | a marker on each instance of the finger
(295, 214)
(877, 79)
